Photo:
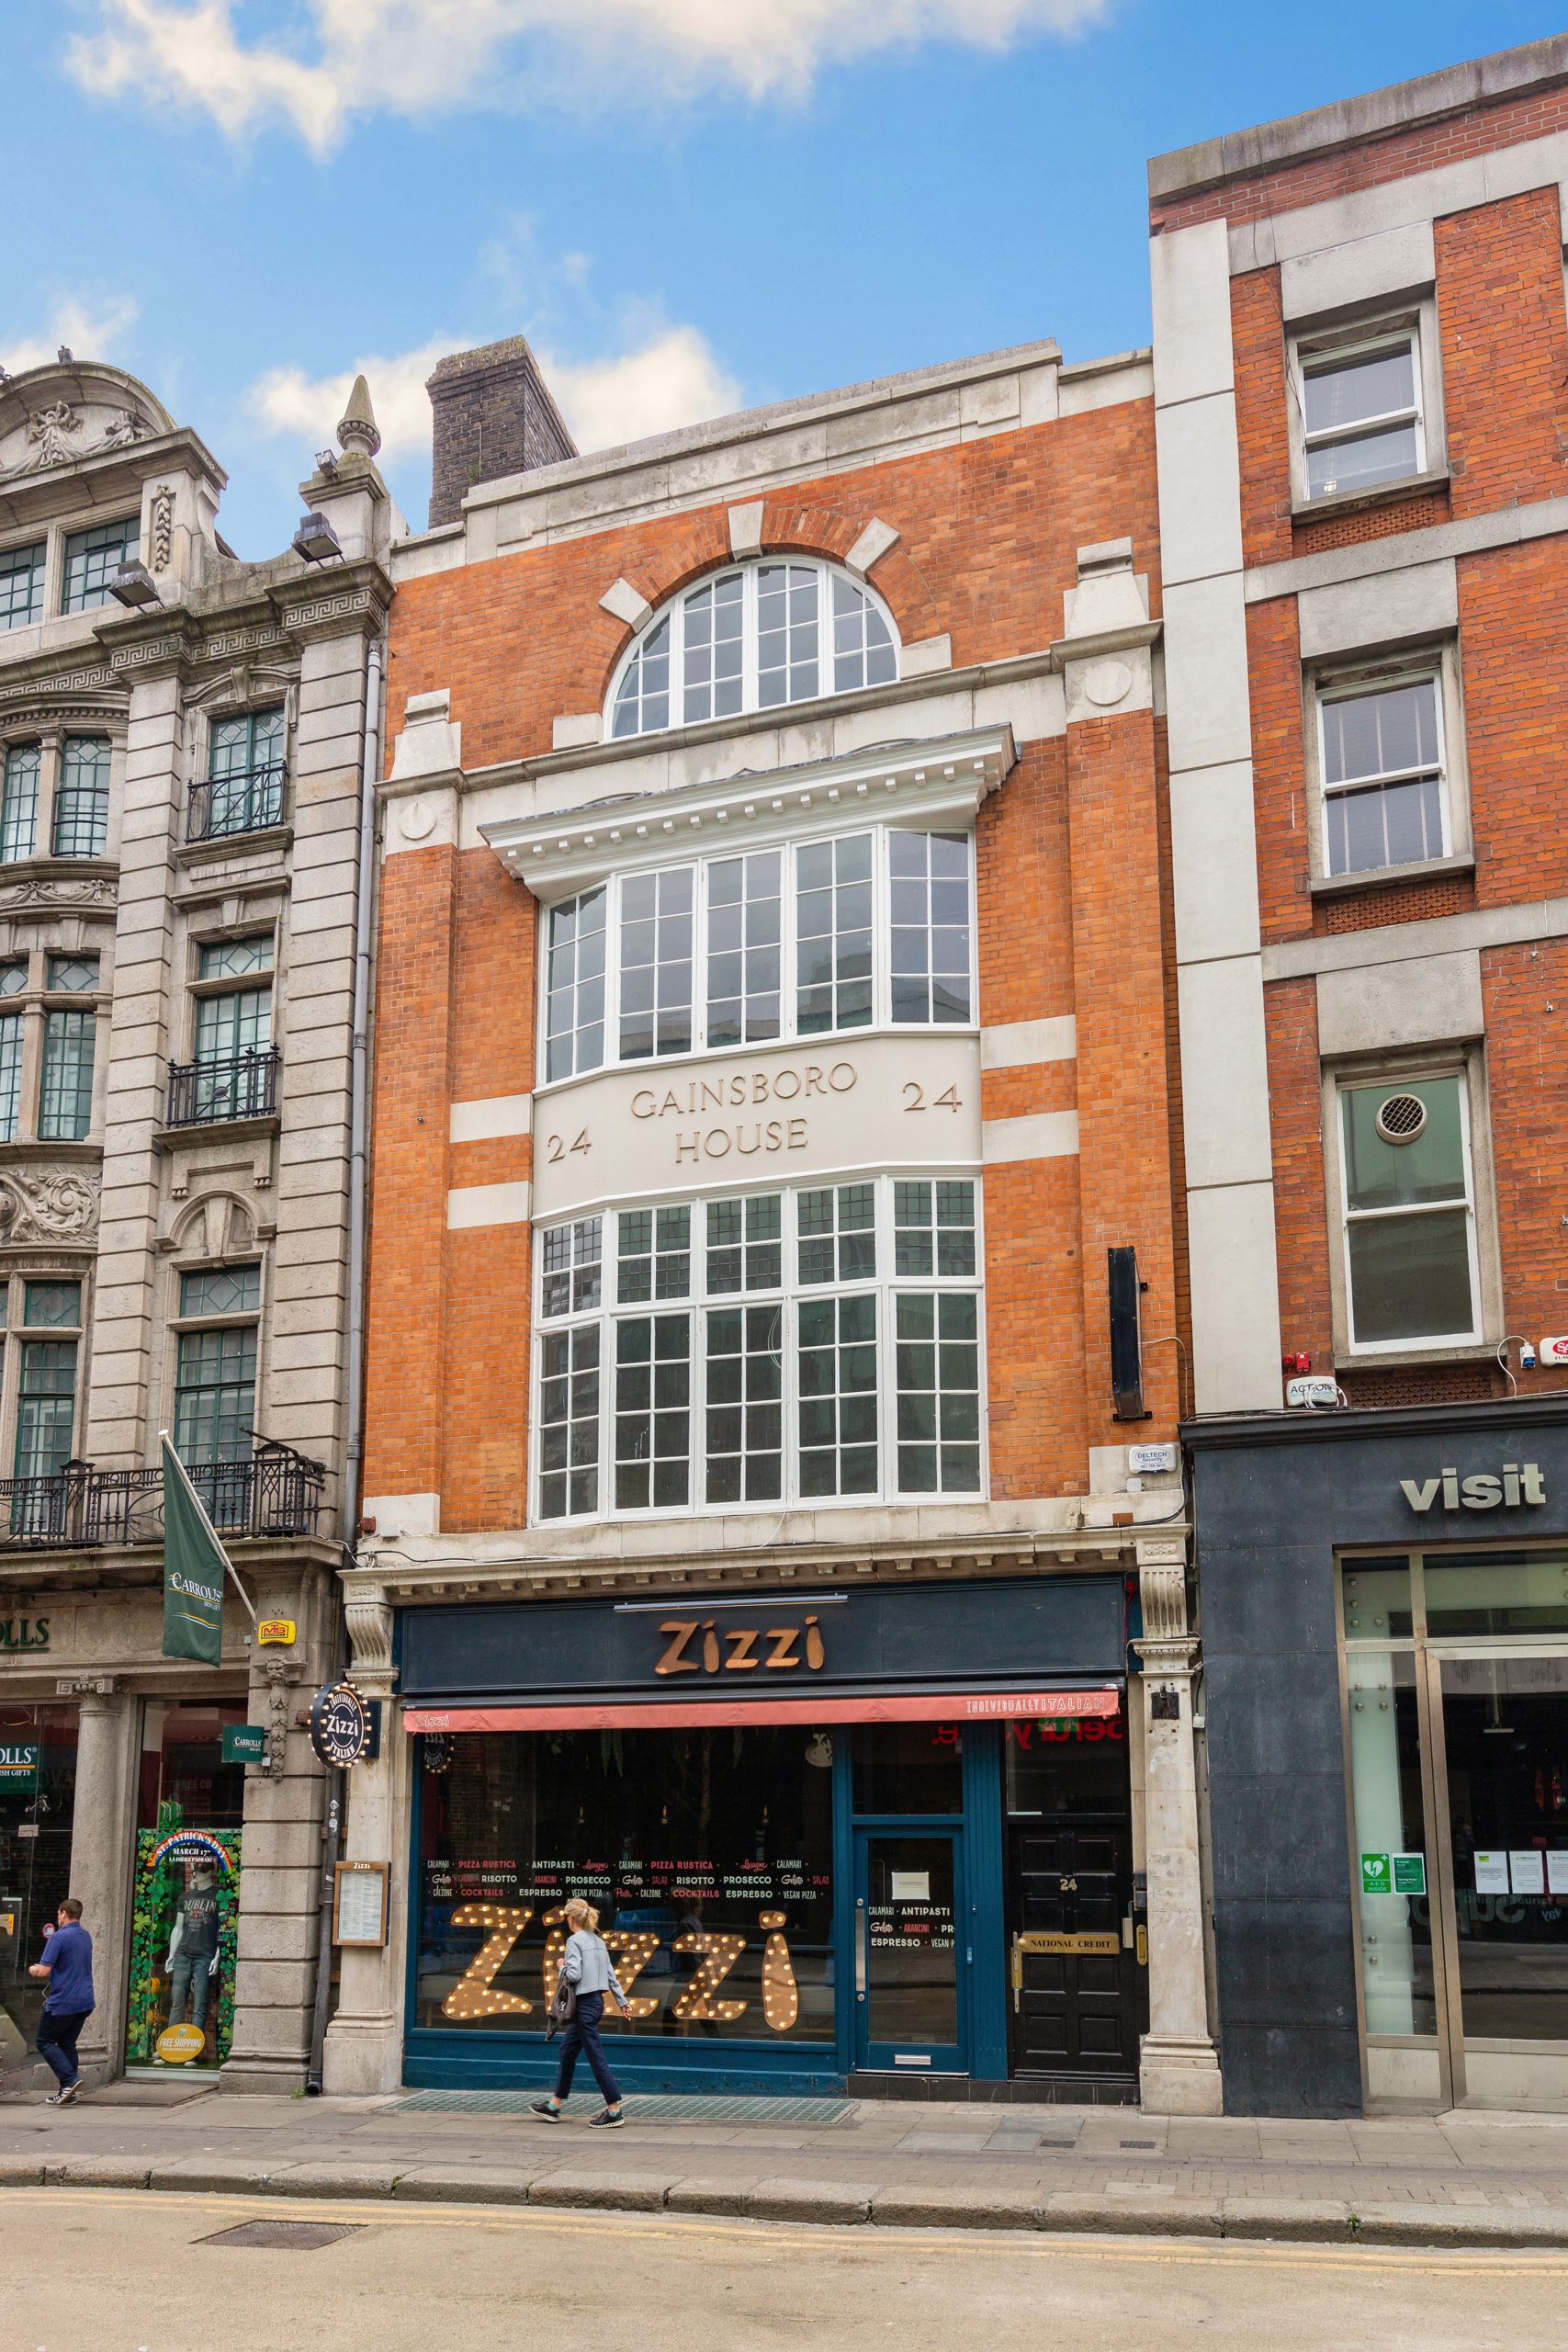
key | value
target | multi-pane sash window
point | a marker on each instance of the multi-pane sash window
(19, 801)
(66, 1092)
(22, 585)
(832, 913)
(245, 773)
(92, 559)
(753, 637)
(930, 910)
(1383, 775)
(829, 936)
(233, 1026)
(745, 948)
(656, 963)
(82, 798)
(1409, 1212)
(10, 1073)
(46, 1406)
(574, 984)
(1361, 414)
(215, 1393)
(766, 1349)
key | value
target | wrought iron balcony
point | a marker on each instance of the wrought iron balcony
(274, 1492)
(231, 1086)
(245, 802)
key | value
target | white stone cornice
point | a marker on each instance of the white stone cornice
(940, 782)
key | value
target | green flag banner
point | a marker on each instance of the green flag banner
(194, 1569)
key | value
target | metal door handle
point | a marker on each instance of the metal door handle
(860, 1950)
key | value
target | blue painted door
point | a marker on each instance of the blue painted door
(912, 1962)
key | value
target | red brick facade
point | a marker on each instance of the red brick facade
(1073, 921)
(1503, 333)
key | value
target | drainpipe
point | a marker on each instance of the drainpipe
(359, 1193)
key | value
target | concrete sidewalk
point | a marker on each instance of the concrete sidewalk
(1464, 2178)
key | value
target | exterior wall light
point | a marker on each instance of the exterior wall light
(315, 542)
(134, 585)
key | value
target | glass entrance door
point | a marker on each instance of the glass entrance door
(1505, 1761)
(911, 1974)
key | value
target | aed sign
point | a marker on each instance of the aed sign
(1518, 1484)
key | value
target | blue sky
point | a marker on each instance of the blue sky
(688, 204)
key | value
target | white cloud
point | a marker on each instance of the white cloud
(671, 379)
(90, 329)
(417, 57)
(286, 400)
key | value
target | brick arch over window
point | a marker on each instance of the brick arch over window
(703, 545)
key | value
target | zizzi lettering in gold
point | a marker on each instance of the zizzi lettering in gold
(785, 1647)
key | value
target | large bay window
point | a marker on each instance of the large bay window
(863, 930)
(805, 1345)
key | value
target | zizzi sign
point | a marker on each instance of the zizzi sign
(734, 1649)
(1518, 1483)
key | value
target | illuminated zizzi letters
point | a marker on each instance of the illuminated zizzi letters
(473, 1994)
(788, 1645)
(720, 1954)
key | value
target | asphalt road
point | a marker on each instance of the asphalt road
(102, 2270)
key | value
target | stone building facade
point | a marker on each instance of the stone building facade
(1361, 355)
(180, 855)
(776, 1236)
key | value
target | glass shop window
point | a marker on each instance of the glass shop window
(1065, 1764)
(907, 1767)
(37, 1797)
(707, 1854)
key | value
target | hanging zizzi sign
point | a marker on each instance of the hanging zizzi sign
(345, 1726)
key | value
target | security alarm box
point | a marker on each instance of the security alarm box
(1144, 1461)
(1317, 1388)
(1554, 1350)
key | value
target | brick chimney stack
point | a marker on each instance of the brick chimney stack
(493, 416)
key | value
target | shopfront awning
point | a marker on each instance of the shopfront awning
(823, 1707)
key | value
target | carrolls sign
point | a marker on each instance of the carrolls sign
(1516, 1486)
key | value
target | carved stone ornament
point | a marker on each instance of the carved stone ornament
(368, 1617)
(63, 1207)
(54, 438)
(87, 890)
(162, 527)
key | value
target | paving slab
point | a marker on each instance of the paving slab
(700, 2196)
(625, 2192)
(99, 2172)
(957, 2209)
(344, 2178)
(464, 2185)
(1455, 2225)
(1315, 2219)
(784, 2199)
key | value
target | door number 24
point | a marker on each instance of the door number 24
(915, 1098)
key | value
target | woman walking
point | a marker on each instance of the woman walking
(585, 1963)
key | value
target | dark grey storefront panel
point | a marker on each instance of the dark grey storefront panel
(996, 1635)
(1274, 1499)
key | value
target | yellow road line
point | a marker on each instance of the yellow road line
(1274, 2255)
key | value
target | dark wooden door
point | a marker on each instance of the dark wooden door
(1077, 1991)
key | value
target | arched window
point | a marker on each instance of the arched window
(751, 638)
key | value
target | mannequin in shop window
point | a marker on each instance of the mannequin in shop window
(192, 1960)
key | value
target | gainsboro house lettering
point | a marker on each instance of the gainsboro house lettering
(1520, 1482)
(739, 1090)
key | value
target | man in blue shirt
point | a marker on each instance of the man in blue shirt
(67, 1964)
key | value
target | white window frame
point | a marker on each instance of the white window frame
(1478, 1203)
(885, 1285)
(881, 1022)
(1309, 347)
(1344, 683)
(749, 567)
